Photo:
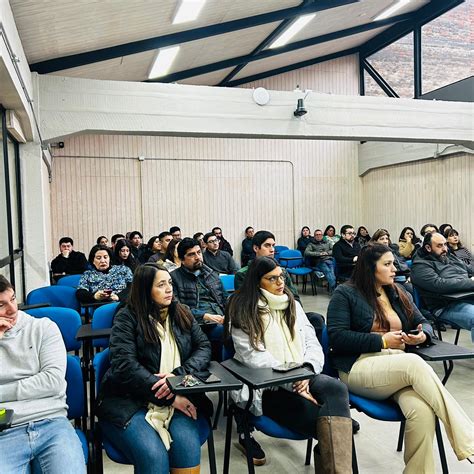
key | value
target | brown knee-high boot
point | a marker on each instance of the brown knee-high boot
(186, 470)
(333, 453)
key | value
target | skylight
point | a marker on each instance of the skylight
(294, 28)
(391, 10)
(188, 10)
(163, 61)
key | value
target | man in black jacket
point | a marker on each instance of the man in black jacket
(345, 253)
(68, 262)
(223, 244)
(438, 274)
(247, 252)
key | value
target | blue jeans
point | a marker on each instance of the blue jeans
(327, 267)
(462, 314)
(47, 446)
(143, 447)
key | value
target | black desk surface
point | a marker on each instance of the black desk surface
(228, 382)
(86, 332)
(461, 295)
(443, 351)
(262, 378)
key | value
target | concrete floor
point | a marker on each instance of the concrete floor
(375, 443)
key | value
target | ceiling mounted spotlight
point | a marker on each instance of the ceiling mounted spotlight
(300, 110)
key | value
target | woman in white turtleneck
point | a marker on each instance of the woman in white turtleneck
(269, 328)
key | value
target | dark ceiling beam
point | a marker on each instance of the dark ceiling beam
(292, 67)
(104, 54)
(424, 15)
(268, 53)
(266, 42)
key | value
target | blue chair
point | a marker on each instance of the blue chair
(228, 282)
(293, 262)
(101, 365)
(103, 319)
(75, 400)
(278, 250)
(62, 296)
(69, 280)
(68, 321)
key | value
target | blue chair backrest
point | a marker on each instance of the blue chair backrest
(228, 282)
(63, 296)
(103, 318)
(327, 369)
(68, 321)
(101, 364)
(296, 258)
(75, 388)
(69, 280)
(417, 298)
(281, 248)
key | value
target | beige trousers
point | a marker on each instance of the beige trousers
(414, 385)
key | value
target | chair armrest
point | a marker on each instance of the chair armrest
(266, 377)
(441, 350)
(26, 307)
(228, 382)
(85, 333)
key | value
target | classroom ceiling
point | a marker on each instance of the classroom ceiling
(226, 45)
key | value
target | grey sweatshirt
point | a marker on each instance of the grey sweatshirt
(32, 370)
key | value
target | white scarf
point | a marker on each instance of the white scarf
(160, 417)
(277, 336)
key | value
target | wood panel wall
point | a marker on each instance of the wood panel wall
(413, 194)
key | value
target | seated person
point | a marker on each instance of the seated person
(437, 273)
(381, 236)
(304, 239)
(408, 242)
(269, 328)
(444, 229)
(32, 383)
(115, 238)
(175, 232)
(370, 320)
(319, 255)
(105, 282)
(171, 260)
(123, 255)
(331, 236)
(457, 248)
(152, 247)
(102, 240)
(199, 236)
(223, 243)
(68, 262)
(219, 260)
(362, 236)
(165, 238)
(247, 252)
(139, 250)
(154, 338)
(345, 252)
(200, 288)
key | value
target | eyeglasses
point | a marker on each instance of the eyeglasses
(274, 279)
(350, 233)
(189, 381)
(212, 241)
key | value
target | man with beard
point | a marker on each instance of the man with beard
(437, 273)
(199, 287)
(345, 253)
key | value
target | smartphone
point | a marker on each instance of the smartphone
(287, 367)
(414, 332)
(211, 379)
(108, 292)
(6, 417)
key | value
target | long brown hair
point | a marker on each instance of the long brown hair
(242, 310)
(364, 280)
(147, 311)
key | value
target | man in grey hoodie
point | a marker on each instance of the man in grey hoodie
(32, 384)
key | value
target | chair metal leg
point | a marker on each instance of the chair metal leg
(442, 453)
(355, 466)
(211, 450)
(228, 436)
(456, 339)
(218, 411)
(309, 451)
(401, 433)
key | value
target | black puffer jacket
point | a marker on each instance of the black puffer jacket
(434, 277)
(350, 320)
(185, 287)
(126, 387)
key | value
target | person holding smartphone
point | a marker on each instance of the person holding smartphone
(269, 329)
(153, 338)
(105, 282)
(371, 323)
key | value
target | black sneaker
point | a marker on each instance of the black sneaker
(355, 426)
(258, 456)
